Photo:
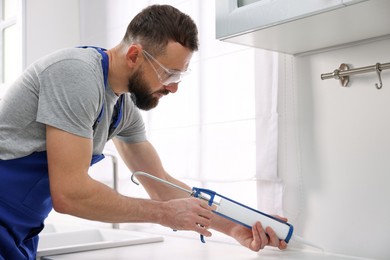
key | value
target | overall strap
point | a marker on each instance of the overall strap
(118, 109)
(105, 76)
(104, 64)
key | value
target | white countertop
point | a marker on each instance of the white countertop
(174, 247)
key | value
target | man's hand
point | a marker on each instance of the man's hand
(257, 238)
(187, 214)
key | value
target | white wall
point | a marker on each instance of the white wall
(50, 25)
(334, 151)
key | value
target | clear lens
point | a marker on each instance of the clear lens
(166, 76)
(170, 79)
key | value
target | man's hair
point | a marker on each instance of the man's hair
(156, 25)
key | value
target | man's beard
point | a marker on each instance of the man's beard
(140, 93)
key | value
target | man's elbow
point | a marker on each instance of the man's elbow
(62, 204)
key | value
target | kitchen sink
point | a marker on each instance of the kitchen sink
(53, 243)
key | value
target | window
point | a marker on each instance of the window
(10, 42)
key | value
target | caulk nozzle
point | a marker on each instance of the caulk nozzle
(305, 242)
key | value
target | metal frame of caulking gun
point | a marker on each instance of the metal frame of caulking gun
(212, 195)
(191, 193)
(197, 192)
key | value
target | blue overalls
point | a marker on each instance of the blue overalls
(25, 199)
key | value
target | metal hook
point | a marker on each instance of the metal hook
(378, 72)
(133, 179)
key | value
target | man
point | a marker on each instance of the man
(57, 117)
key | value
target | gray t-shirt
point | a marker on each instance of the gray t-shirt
(65, 90)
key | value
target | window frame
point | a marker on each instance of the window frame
(18, 21)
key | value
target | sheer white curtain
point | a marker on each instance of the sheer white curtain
(269, 186)
(220, 129)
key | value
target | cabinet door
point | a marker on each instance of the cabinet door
(239, 16)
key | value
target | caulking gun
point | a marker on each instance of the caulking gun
(236, 211)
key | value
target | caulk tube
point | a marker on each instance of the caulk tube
(245, 215)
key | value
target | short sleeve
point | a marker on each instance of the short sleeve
(70, 96)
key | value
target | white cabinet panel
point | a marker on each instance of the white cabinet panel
(235, 16)
(301, 26)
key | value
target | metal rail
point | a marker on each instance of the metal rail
(343, 73)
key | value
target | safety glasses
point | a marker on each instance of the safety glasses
(165, 75)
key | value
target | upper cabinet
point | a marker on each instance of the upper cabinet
(301, 26)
